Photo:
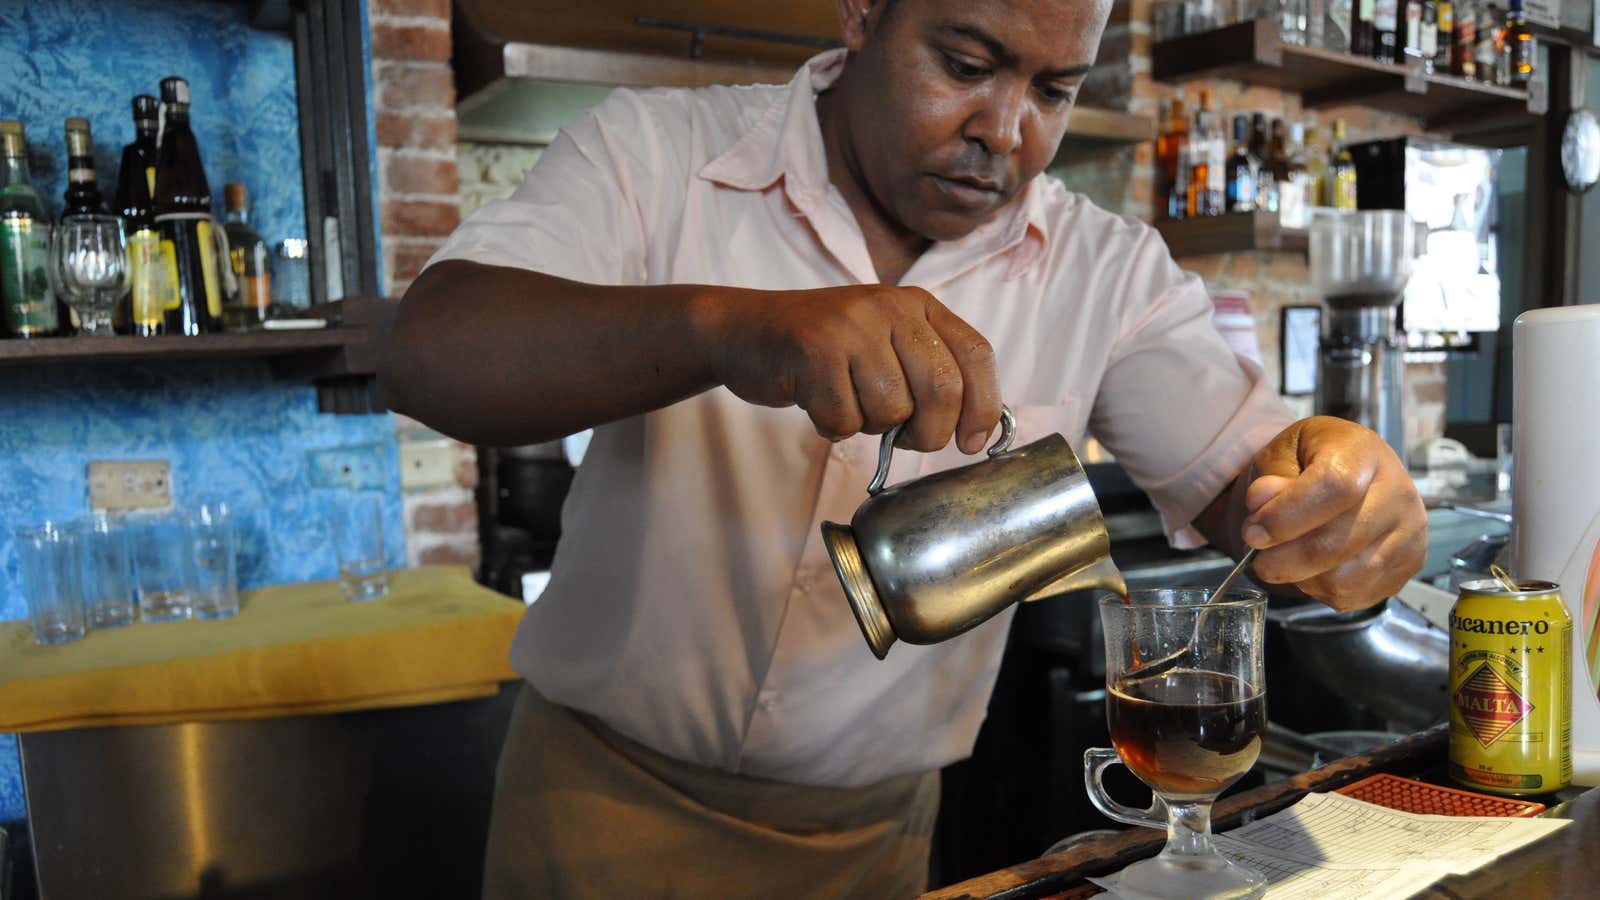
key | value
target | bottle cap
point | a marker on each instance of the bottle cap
(144, 108)
(78, 137)
(234, 196)
(13, 143)
(175, 90)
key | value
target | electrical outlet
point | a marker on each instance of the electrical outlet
(127, 485)
(427, 464)
(357, 468)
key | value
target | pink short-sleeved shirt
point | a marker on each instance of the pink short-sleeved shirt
(692, 606)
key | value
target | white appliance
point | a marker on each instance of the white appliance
(1556, 491)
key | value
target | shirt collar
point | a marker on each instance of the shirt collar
(786, 143)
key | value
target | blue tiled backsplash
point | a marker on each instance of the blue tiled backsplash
(229, 430)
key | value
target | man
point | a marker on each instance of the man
(738, 287)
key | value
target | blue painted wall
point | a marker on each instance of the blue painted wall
(229, 430)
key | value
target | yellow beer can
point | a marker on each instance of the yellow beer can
(1511, 688)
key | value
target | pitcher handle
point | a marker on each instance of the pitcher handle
(1095, 762)
(1008, 432)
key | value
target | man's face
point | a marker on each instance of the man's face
(966, 102)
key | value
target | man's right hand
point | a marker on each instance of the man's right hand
(859, 358)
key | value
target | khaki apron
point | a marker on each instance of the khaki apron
(582, 812)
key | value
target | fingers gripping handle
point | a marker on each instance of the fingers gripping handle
(1008, 433)
(1095, 762)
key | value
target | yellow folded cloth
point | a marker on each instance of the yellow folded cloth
(293, 650)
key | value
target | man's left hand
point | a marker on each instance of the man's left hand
(1334, 513)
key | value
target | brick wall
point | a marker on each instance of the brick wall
(1273, 280)
(414, 100)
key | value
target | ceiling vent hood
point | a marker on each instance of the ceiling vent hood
(508, 55)
(525, 67)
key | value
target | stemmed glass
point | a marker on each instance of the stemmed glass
(89, 267)
(1188, 732)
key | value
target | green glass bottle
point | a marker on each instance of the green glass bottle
(30, 305)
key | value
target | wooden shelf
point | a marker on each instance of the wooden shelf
(1252, 52)
(340, 360)
(1232, 233)
(1092, 125)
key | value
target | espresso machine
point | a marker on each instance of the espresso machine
(1360, 263)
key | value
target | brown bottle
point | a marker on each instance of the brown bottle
(183, 218)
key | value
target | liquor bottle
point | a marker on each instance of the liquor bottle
(1386, 31)
(1363, 32)
(1196, 193)
(1521, 46)
(152, 265)
(252, 264)
(1292, 21)
(1445, 34)
(30, 305)
(1277, 162)
(1169, 147)
(1178, 197)
(1316, 22)
(1411, 47)
(1464, 57)
(183, 218)
(1428, 35)
(83, 188)
(1261, 156)
(1341, 172)
(1487, 57)
(1295, 197)
(1317, 168)
(1241, 169)
(1216, 158)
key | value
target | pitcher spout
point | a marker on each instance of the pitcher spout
(1102, 575)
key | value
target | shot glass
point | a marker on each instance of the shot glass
(108, 595)
(51, 582)
(214, 547)
(358, 540)
(162, 568)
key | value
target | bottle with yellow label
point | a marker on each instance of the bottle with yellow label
(183, 220)
(151, 273)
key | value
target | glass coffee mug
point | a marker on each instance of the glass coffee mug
(1189, 728)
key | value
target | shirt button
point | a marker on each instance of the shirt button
(769, 700)
(807, 580)
(840, 452)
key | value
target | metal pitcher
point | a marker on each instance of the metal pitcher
(929, 559)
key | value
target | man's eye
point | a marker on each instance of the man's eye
(1056, 94)
(963, 69)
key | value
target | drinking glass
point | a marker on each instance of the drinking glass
(107, 572)
(89, 267)
(51, 583)
(358, 539)
(162, 566)
(1187, 731)
(214, 544)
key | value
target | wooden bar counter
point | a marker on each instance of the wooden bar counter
(1565, 864)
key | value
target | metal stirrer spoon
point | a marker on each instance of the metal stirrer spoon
(1163, 663)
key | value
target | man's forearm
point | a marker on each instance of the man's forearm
(506, 356)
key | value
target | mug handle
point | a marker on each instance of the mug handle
(1095, 762)
(1008, 432)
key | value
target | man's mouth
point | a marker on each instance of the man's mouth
(969, 191)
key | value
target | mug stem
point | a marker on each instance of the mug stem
(1189, 829)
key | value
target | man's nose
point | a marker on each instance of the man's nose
(998, 122)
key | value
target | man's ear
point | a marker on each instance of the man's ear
(855, 17)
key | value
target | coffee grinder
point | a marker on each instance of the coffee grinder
(1360, 263)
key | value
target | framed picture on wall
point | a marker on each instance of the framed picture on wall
(1301, 345)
